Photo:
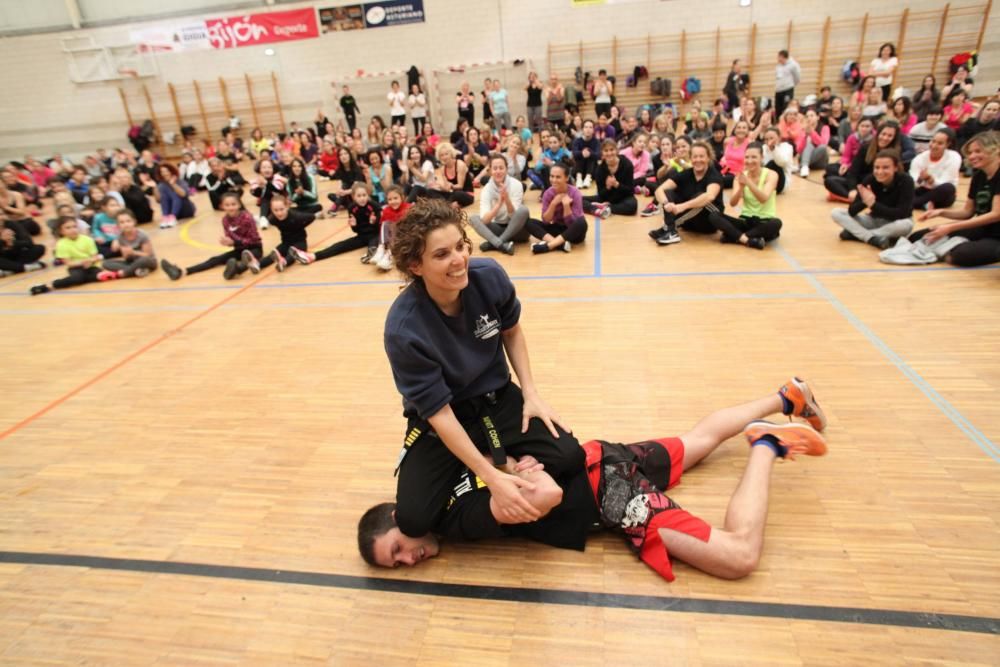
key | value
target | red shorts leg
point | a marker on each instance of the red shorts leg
(668, 515)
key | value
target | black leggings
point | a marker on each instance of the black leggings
(982, 248)
(366, 240)
(585, 166)
(29, 225)
(733, 228)
(418, 126)
(428, 472)
(575, 232)
(219, 260)
(942, 196)
(773, 166)
(839, 185)
(693, 220)
(342, 201)
(14, 259)
(77, 276)
(283, 250)
(461, 197)
(627, 206)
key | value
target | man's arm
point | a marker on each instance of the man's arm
(544, 496)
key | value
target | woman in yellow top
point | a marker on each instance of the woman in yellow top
(756, 187)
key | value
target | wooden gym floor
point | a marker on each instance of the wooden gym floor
(182, 465)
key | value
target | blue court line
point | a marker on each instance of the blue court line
(583, 276)
(385, 303)
(949, 410)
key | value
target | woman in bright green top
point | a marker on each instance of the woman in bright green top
(756, 187)
(79, 253)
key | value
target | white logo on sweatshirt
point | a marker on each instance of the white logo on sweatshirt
(486, 328)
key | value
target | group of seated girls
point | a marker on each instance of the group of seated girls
(904, 160)
(892, 162)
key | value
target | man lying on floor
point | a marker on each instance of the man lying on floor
(622, 488)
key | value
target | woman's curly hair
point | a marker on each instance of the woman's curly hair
(410, 237)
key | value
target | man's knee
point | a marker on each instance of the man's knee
(413, 523)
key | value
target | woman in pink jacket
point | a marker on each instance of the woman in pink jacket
(811, 144)
(642, 162)
(735, 153)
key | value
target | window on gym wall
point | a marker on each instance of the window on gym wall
(96, 12)
(19, 17)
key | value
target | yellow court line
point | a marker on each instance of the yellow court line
(194, 243)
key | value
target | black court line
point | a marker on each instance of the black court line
(892, 617)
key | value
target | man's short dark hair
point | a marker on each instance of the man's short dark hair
(783, 53)
(374, 523)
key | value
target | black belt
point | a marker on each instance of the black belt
(475, 408)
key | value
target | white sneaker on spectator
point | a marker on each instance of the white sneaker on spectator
(385, 262)
(263, 222)
(579, 182)
(587, 181)
(804, 172)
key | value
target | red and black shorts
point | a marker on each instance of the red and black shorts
(630, 483)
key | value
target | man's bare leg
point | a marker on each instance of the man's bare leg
(734, 551)
(795, 397)
(719, 426)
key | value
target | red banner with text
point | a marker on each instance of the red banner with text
(255, 29)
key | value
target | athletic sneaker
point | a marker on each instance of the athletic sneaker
(377, 257)
(367, 257)
(804, 172)
(567, 246)
(669, 238)
(652, 208)
(847, 236)
(507, 248)
(172, 270)
(301, 256)
(4, 274)
(603, 211)
(386, 263)
(579, 181)
(756, 242)
(105, 276)
(231, 270)
(837, 198)
(658, 233)
(141, 272)
(587, 181)
(797, 392)
(540, 248)
(264, 222)
(279, 260)
(250, 261)
(486, 246)
(793, 439)
(40, 289)
(34, 266)
(168, 221)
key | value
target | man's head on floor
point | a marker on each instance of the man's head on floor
(382, 543)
